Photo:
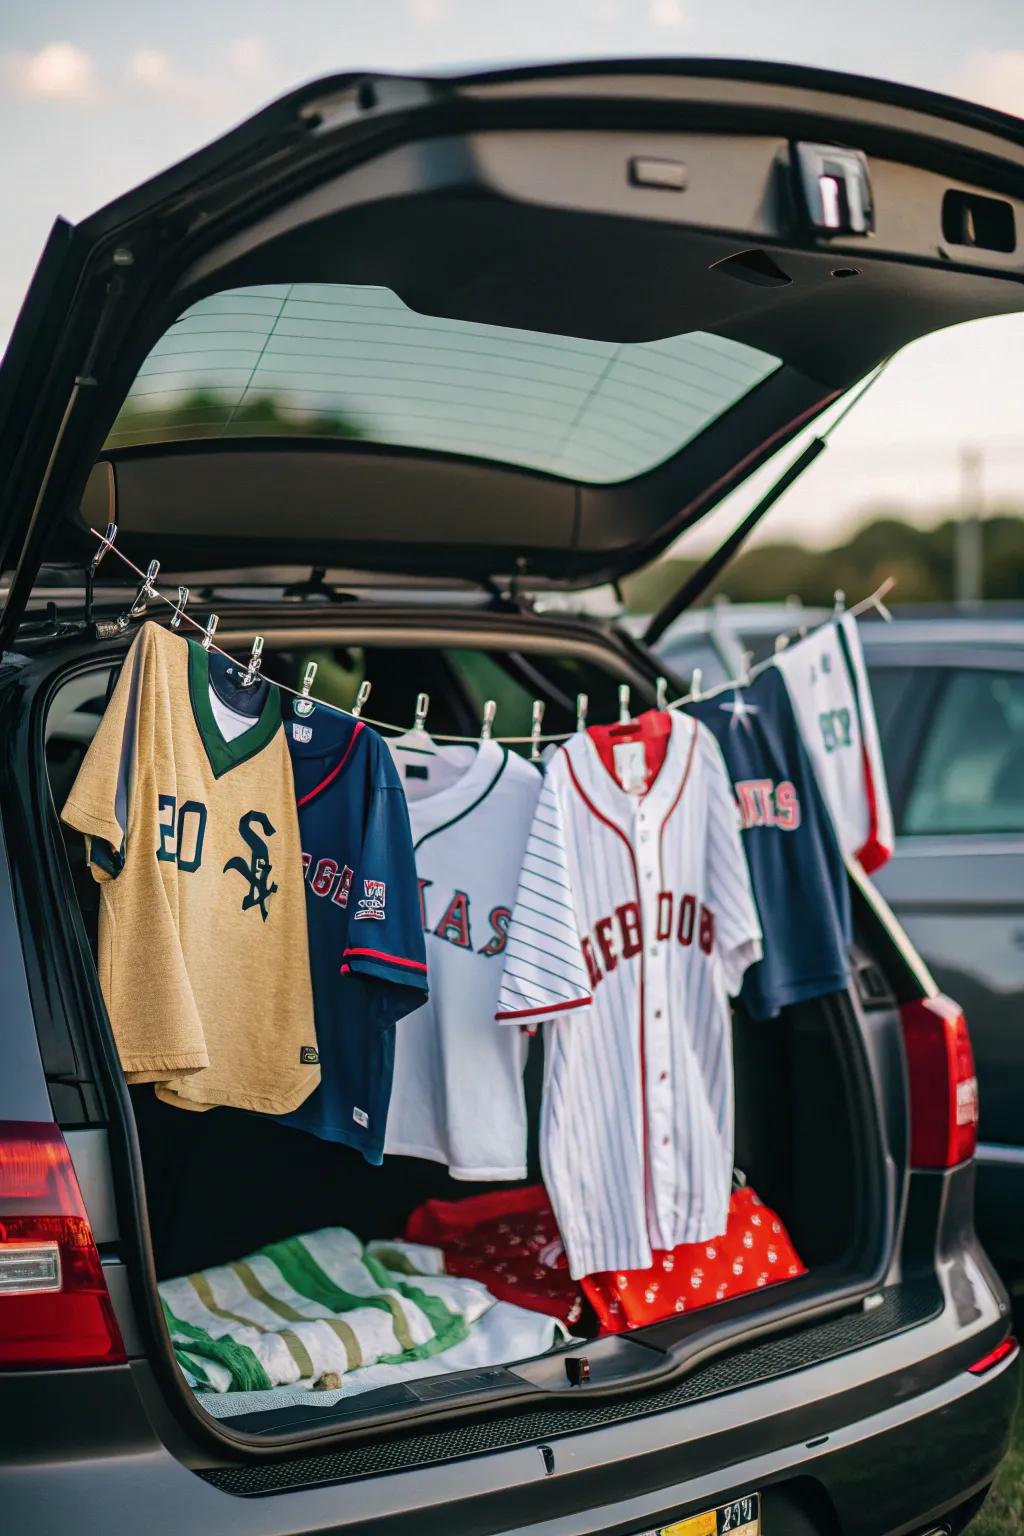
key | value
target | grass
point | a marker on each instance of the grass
(1003, 1514)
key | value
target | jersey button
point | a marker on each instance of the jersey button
(665, 1141)
(662, 1076)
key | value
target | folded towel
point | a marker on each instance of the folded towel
(298, 1309)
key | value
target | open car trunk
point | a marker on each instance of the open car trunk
(221, 1185)
(494, 335)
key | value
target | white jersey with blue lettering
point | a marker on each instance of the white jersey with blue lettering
(634, 922)
(831, 698)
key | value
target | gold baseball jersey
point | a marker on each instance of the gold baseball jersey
(194, 841)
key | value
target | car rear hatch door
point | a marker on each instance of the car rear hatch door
(523, 325)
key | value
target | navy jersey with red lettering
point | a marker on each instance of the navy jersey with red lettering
(796, 868)
(363, 914)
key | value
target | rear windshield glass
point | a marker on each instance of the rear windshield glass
(341, 361)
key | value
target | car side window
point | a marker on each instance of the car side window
(888, 694)
(970, 775)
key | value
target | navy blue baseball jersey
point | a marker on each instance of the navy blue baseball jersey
(796, 869)
(363, 914)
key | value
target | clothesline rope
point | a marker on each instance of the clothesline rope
(874, 600)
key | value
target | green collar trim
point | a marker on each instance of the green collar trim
(223, 754)
(467, 809)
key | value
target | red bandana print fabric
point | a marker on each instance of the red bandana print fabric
(754, 1251)
(507, 1240)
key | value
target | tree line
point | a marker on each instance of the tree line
(922, 560)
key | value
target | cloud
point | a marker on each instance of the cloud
(249, 58)
(995, 77)
(246, 63)
(426, 12)
(56, 72)
(668, 14)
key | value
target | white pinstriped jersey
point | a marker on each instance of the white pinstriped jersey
(831, 697)
(633, 921)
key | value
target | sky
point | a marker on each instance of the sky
(95, 98)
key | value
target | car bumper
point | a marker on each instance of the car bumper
(884, 1440)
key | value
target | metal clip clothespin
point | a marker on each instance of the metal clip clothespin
(490, 710)
(179, 607)
(210, 631)
(145, 592)
(695, 682)
(252, 671)
(106, 542)
(304, 705)
(582, 705)
(660, 693)
(624, 715)
(744, 678)
(840, 602)
(361, 697)
(781, 641)
(422, 706)
(535, 725)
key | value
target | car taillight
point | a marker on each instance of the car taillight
(54, 1305)
(943, 1085)
(995, 1357)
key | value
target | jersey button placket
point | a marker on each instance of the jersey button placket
(656, 1052)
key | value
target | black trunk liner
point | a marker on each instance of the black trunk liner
(902, 1307)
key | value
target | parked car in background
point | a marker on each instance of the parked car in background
(949, 696)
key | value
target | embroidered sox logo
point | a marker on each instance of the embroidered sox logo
(257, 870)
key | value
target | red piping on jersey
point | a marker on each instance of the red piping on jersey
(528, 1013)
(335, 770)
(379, 954)
(874, 852)
(675, 802)
(592, 808)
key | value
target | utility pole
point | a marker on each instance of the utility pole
(967, 548)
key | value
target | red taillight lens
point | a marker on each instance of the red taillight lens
(994, 1357)
(54, 1305)
(943, 1086)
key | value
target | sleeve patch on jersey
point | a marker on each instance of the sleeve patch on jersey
(372, 904)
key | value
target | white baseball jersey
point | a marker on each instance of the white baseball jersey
(831, 696)
(457, 1096)
(633, 921)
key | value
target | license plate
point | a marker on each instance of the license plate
(742, 1517)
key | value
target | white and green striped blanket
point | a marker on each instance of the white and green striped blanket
(298, 1309)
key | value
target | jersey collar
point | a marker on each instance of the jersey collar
(664, 790)
(223, 754)
(429, 814)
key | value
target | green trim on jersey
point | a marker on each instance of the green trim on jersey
(223, 754)
(468, 811)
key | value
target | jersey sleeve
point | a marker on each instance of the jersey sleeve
(730, 896)
(545, 972)
(385, 933)
(99, 805)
